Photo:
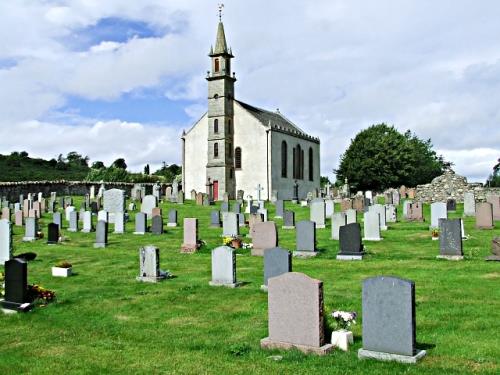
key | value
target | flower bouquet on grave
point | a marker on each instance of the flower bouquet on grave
(435, 234)
(247, 245)
(342, 337)
(36, 293)
(232, 241)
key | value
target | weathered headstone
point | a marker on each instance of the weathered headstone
(180, 197)
(494, 199)
(450, 239)
(172, 218)
(350, 246)
(230, 225)
(380, 209)
(495, 250)
(190, 243)
(199, 199)
(469, 204)
(391, 215)
(345, 205)
(389, 320)
(157, 224)
(484, 216)
(114, 202)
(119, 223)
(451, 205)
(57, 219)
(31, 227)
(280, 208)
(351, 216)
(415, 212)
(359, 203)
(306, 239)
(215, 219)
(5, 241)
(148, 203)
(317, 212)
(296, 314)
(277, 261)
(149, 265)
(193, 194)
(101, 239)
(372, 226)
(338, 219)
(73, 221)
(252, 220)
(289, 220)
(223, 267)
(140, 223)
(52, 234)
(438, 211)
(264, 236)
(19, 219)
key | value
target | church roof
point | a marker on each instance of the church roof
(276, 121)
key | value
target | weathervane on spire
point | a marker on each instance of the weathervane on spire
(221, 6)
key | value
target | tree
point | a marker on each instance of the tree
(119, 163)
(324, 180)
(380, 157)
(146, 169)
(494, 178)
(98, 165)
(75, 158)
(168, 171)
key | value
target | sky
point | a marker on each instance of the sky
(116, 78)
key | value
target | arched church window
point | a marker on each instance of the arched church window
(216, 126)
(298, 163)
(311, 174)
(216, 65)
(284, 159)
(301, 164)
(216, 150)
(237, 158)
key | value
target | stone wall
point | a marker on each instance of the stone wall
(451, 185)
(12, 190)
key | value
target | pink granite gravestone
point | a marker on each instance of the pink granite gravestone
(295, 303)
(156, 211)
(264, 236)
(6, 213)
(345, 205)
(19, 218)
(495, 201)
(484, 216)
(190, 244)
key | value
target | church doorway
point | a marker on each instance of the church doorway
(216, 190)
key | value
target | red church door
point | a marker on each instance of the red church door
(216, 190)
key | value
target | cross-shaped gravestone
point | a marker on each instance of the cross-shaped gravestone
(258, 189)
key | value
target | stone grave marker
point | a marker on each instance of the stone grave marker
(494, 199)
(416, 212)
(199, 199)
(190, 244)
(57, 219)
(224, 267)
(215, 219)
(241, 220)
(224, 207)
(389, 320)
(157, 225)
(5, 241)
(19, 219)
(53, 234)
(380, 209)
(193, 195)
(73, 221)
(296, 314)
(119, 223)
(87, 222)
(391, 215)
(280, 209)
(438, 211)
(101, 238)
(264, 236)
(372, 226)
(156, 212)
(180, 197)
(451, 205)
(306, 239)
(263, 212)
(252, 220)
(114, 202)
(289, 220)
(103, 216)
(484, 216)
(31, 227)
(230, 225)
(6, 213)
(345, 204)
(149, 265)
(469, 204)
(225, 197)
(351, 216)
(450, 239)
(359, 203)
(277, 261)
(148, 203)
(16, 286)
(68, 210)
(172, 218)
(329, 208)
(350, 246)
(140, 223)
(338, 219)
(317, 212)
(495, 250)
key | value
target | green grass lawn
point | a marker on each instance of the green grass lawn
(104, 321)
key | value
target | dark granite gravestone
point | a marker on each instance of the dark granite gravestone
(280, 208)
(94, 208)
(16, 286)
(101, 237)
(140, 223)
(224, 207)
(350, 244)
(451, 205)
(389, 320)
(237, 208)
(450, 239)
(289, 220)
(495, 250)
(157, 224)
(172, 218)
(306, 238)
(53, 234)
(215, 219)
(254, 210)
(276, 262)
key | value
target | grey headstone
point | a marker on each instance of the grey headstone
(73, 221)
(149, 264)
(148, 203)
(438, 211)
(215, 219)
(280, 208)
(372, 226)
(277, 261)
(157, 225)
(114, 202)
(223, 267)
(338, 219)
(119, 222)
(451, 205)
(450, 237)
(172, 218)
(87, 222)
(101, 238)
(31, 226)
(318, 212)
(306, 236)
(140, 223)
(230, 225)
(289, 220)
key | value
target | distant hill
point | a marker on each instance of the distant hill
(18, 166)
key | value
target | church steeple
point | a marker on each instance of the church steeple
(220, 42)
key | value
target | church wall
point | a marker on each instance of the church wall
(196, 157)
(284, 186)
(250, 135)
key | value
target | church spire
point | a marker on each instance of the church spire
(220, 42)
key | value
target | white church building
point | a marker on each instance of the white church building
(236, 146)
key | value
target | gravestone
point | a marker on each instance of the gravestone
(277, 261)
(317, 212)
(380, 209)
(94, 207)
(484, 216)
(53, 234)
(263, 212)
(157, 211)
(101, 238)
(6, 213)
(224, 207)
(148, 203)
(87, 222)
(264, 236)
(16, 286)
(329, 208)
(289, 220)
(345, 204)
(57, 219)
(389, 327)
(149, 265)
(5, 241)
(254, 209)
(415, 212)
(157, 225)
(411, 193)
(252, 220)
(396, 198)
(225, 197)
(223, 267)
(73, 222)
(172, 218)
(359, 203)
(469, 204)
(450, 239)
(494, 199)
(140, 223)
(19, 219)
(350, 246)
(215, 219)
(190, 244)
(305, 239)
(230, 225)
(103, 216)
(119, 223)
(351, 216)
(280, 209)
(68, 210)
(369, 196)
(388, 198)
(451, 205)
(338, 219)
(495, 250)
(199, 199)
(438, 211)
(296, 314)
(114, 202)
(241, 220)
(193, 194)
(372, 226)
(31, 227)
(180, 197)
(391, 213)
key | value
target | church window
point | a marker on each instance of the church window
(237, 158)
(311, 174)
(298, 163)
(284, 159)
(301, 164)
(216, 67)
(216, 150)
(216, 126)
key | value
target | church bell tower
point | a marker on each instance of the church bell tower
(220, 166)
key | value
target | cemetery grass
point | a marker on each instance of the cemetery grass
(104, 321)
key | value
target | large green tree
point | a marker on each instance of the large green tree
(380, 157)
